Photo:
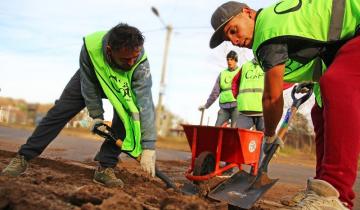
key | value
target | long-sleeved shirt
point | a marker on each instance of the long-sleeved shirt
(141, 85)
(215, 94)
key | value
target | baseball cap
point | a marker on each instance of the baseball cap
(220, 17)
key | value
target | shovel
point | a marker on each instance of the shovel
(243, 189)
(108, 134)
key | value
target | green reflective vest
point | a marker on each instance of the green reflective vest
(116, 85)
(319, 21)
(251, 88)
(226, 78)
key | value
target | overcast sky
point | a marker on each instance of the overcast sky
(41, 41)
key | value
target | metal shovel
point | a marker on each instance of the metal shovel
(108, 134)
(243, 189)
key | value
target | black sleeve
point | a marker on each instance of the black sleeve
(90, 86)
(272, 54)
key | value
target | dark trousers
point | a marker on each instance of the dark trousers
(70, 103)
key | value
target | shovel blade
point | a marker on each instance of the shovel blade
(190, 189)
(242, 189)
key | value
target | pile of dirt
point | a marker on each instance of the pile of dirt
(60, 184)
(56, 184)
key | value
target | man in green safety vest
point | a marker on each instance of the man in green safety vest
(113, 65)
(223, 88)
(249, 87)
(293, 40)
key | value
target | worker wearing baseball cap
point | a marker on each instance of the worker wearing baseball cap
(223, 90)
(293, 41)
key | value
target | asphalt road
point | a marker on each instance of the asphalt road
(83, 149)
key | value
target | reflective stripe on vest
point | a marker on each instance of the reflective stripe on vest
(116, 85)
(226, 78)
(250, 88)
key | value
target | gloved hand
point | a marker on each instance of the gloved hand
(271, 140)
(147, 161)
(97, 123)
(202, 107)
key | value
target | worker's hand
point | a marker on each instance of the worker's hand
(202, 107)
(271, 140)
(97, 123)
(147, 161)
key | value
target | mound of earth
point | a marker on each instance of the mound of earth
(60, 184)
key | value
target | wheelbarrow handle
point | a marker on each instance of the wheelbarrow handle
(108, 134)
(307, 88)
(202, 116)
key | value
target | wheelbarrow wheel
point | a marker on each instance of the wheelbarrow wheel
(204, 164)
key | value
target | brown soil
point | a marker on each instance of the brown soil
(60, 184)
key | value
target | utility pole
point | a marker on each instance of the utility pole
(159, 107)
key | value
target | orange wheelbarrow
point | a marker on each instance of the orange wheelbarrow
(210, 145)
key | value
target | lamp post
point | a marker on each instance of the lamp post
(159, 107)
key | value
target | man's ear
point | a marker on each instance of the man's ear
(108, 50)
(250, 12)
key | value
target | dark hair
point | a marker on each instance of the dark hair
(125, 36)
(232, 54)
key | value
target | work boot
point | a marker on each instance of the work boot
(16, 167)
(294, 200)
(106, 176)
(320, 195)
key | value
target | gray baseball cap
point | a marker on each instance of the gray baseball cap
(221, 17)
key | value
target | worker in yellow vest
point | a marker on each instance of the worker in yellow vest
(292, 41)
(113, 65)
(248, 85)
(223, 88)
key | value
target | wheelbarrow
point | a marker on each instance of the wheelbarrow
(210, 145)
(242, 190)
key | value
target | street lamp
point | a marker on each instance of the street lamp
(159, 108)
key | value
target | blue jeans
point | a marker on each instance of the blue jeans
(225, 114)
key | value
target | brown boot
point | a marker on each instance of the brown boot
(320, 195)
(293, 200)
(106, 176)
(16, 167)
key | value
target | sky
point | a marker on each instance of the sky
(40, 42)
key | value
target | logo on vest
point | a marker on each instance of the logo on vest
(124, 90)
(227, 79)
(252, 146)
(252, 74)
(282, 7)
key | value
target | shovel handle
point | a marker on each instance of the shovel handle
(306, 88)
(108, 134)
(118, 143)
(202, 116)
